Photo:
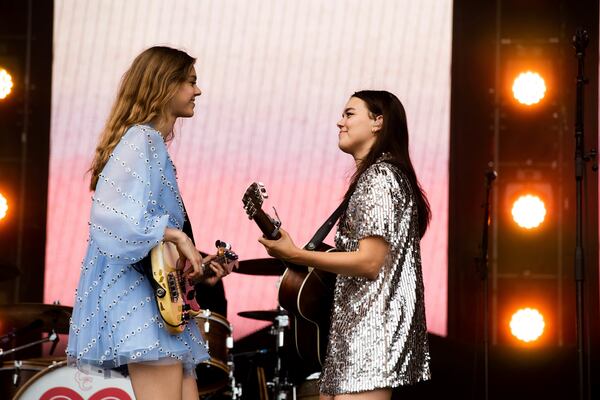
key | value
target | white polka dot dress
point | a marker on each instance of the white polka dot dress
(115, 317)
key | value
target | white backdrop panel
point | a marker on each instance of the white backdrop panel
(275, 75)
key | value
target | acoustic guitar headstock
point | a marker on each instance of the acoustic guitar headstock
(254, 198)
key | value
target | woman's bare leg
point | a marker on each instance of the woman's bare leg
(189, 388)
(379, 394)
(151, 381)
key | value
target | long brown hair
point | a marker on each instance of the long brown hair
(393, 140)
(146, 89)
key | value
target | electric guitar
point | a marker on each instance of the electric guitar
(174, 293)
(305, 292)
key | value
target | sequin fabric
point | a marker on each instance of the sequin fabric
(115, 318)
(378, 334)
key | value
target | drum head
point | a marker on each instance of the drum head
(60, 381)
(14, 374)
(213, 374)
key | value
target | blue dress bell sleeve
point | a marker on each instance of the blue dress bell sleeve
(125, 222)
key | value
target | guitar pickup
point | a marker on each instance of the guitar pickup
(172, 283)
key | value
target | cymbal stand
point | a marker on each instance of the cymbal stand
(236, 389)
(282, 388)
(52, 337)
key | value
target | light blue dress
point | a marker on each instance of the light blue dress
(115, 317)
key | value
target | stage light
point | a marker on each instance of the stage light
(529, 211)
(529, 88)
(527, 324)
(3, 206)
(6, 83)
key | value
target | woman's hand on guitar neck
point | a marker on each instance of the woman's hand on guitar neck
(282, 248)
(210, 272)
(185, 247)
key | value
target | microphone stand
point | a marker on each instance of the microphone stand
(580, 42)
(482, 264)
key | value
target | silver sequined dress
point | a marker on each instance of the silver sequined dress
(378, 334)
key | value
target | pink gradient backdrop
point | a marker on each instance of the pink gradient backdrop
(275, 75)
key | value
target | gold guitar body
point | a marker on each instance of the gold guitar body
(174, 295)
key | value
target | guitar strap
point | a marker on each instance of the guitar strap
(324, 230)
(187, 226)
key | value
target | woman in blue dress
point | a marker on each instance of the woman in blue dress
(136, 204)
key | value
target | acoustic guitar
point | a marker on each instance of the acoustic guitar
(174, 293)
(305, 292)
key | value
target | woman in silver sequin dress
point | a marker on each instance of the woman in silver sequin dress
(378, 334)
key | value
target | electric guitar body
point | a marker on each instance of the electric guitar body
(174, 293)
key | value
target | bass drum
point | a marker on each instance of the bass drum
(213, 374)
(59, 381)
(14, 374)
(309, 389)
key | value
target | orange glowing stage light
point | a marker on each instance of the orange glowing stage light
(3, 206)
(529, 88)
(527, 325)
(529, 211)
(6, 83)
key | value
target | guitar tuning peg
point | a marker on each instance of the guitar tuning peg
(262, 190)
(222, 244)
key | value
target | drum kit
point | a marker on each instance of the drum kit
(38, 324)
(50, 377)
(284, 363)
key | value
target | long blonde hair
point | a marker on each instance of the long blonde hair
(145, 91)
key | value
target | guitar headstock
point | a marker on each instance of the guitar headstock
(225, 256)
(253, 201)
(254, 198)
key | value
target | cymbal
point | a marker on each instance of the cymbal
(261, 266)
(262, 315)
(32, 316)
(8, 272)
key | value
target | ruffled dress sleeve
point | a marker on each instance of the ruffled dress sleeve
(125, 224)
(375, 201)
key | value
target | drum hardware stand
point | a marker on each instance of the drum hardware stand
(281, 386)
(236, 389)
(38, 323)
(52, 337)
(16, 378)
